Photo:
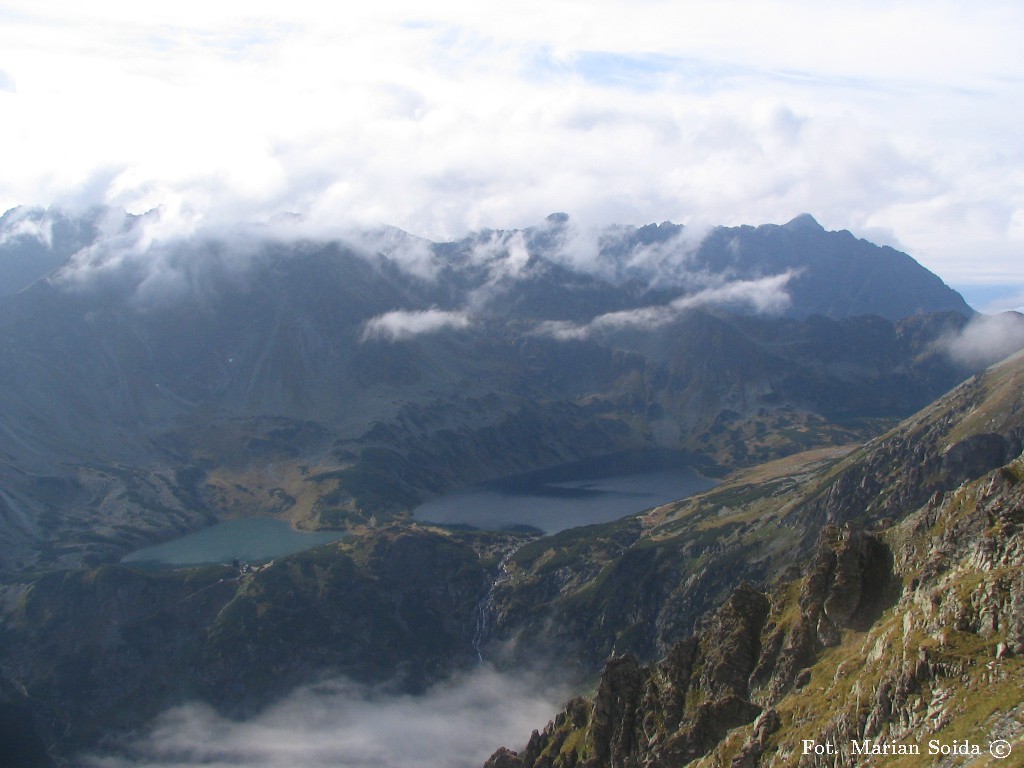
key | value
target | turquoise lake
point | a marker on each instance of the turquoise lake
(252, 540)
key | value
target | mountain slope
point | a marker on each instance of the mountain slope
(685, 558)
(900, 635)
(102, 651)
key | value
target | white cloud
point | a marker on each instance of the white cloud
(401, 325)
(22, 223)
(986, 339)
(505, 258)
(411, 254)
(454, 116)
(766, 295)
(338, 724)
(605, 251)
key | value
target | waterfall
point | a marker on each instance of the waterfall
(485, 608)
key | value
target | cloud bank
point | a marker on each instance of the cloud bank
(162, 256)
(986, 339)
(765, 295)
(338, 724)
(448, 117)
(401, 325)
(411, 254)
(613, 253)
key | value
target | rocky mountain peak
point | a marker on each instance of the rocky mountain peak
(805, 222)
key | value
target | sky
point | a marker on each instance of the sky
(899, 121)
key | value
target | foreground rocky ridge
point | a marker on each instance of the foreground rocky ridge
(899, 635)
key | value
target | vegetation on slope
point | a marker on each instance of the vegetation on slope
(909, 632)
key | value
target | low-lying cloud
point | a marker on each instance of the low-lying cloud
(612, 253)
(21, 223)
(167, 253)
(401, 324)
(986, 339)
(161, 256)
(409, 253)
(766, 295)
(339, 724)
(504, 259)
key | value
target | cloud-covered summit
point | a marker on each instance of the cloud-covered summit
(447, 118)
(578, 277)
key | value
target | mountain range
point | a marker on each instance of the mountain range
(145, 379)
(156, 381)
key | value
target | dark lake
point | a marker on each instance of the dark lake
(582, 493)
(251, 540)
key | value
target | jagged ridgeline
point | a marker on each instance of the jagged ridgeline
(154, 384)
(888, 619)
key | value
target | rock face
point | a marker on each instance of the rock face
(901, 634)
(942, 658)
(741, 662)
(943, 661)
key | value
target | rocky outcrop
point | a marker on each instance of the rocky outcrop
(942, 662)
(847, 584)
(665, 714)
(939, 656)
(890, 636)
